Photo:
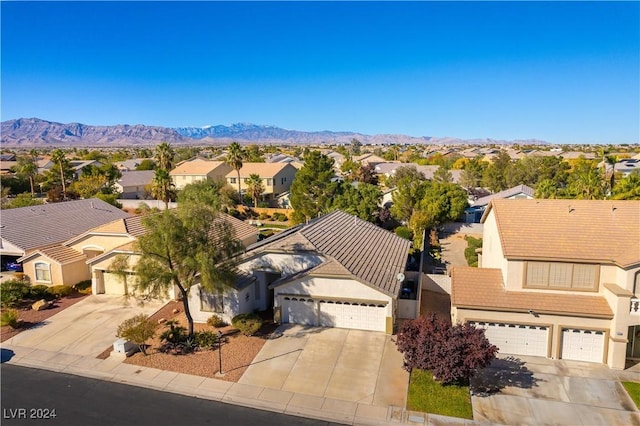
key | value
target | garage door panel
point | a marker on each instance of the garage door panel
(517, 339)
(583, 345)
(353, 315)
(113, 284)
(299, 311)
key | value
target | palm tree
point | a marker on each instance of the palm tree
(164, 156)
(162, 187)
(235, 155)
(28, 167)
(58, 156)
(255, 187)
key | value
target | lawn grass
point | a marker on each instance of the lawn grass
(633, 389)
(428, 396)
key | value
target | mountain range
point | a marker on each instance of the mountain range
(26, 132)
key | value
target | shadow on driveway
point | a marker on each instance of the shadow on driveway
(502, 372)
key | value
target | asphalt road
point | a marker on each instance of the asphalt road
(30, 396)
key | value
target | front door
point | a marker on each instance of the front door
(633, 344)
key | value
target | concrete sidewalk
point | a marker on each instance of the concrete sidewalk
(262, 398)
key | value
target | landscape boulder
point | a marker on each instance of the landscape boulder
(40, 305)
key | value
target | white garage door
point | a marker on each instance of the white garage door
(360, 316)
(299, 310)
(517, 339)
(113, 284)
(582, 345)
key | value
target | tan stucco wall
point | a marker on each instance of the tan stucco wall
(556, 324)
(289, 172)
(104, 242)
(75, 272)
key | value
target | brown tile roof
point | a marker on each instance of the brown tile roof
(196, 167)
(261, 169)
(241, 229)
(482, 288)
(604, 231)
(371, 254)
(131, 225)
(61, 254)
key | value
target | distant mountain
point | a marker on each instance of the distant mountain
(34, 131)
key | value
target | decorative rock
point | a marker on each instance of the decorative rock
(175, 311)
(162, 320)
(40, 305)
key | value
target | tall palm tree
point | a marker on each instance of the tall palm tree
(164, 156)
(255, 187)
(235, 155)
(162, 187)
(58, 157)
(28, 167)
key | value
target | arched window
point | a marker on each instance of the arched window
(43, 272)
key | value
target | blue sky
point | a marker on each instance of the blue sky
(565, 72)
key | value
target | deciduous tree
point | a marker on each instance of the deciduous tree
(183, 247)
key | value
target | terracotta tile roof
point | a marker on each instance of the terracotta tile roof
(371, 254)
(59, 253)
(261, 169)
(197, 167)
(39, 226)
(482, 288)
(604, 231)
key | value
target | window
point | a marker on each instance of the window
(283, 180)
(210, 302)
(561, 276)
(43, 272)
(269, 182)
(232, 180)
(246, 180)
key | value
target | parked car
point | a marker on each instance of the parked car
(13, 266)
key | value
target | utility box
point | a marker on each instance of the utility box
(123, 346)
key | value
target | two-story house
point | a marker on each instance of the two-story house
(276, 177)
(558, 279)
(196, 170)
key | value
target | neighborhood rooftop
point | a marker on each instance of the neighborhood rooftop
(370, 253)
(136, 178)
(579, 230)
(507, 193)
(197, 166)
(38, 226)
(482, 288)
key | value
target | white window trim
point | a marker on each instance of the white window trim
(35, 273)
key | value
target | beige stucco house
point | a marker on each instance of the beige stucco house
(557, 278)
(198, 169)
(276, 177)
(335, 271)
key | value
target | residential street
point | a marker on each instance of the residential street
(83, 401)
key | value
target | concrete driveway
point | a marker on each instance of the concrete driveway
(539, 391)
(86, 328)
(348, 365)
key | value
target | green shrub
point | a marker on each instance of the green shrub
(404, 232)
(235, 213)
(205, 339)
(470, 252)
(13, 292)
(216, 321)
(281, 217)
(137, 330)
(248, 324)
(264, 216)
(83, 287)
(60, 290)
(39, 291)
(175, 334)
(9, 317)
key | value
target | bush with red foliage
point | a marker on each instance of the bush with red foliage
(452, 353)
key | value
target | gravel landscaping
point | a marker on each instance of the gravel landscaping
(238, 351)
(30, 318)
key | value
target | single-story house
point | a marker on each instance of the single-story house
(134, 184)
(335, 271)
(474, 213)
